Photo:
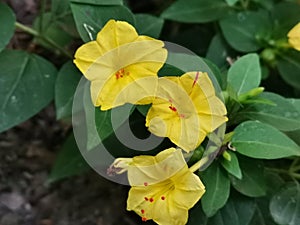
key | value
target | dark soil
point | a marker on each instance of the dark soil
(27, 153)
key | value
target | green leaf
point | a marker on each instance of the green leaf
(296, 133)
(7, 21)
(149, 25)
(196, 11)
(26, 86)
(285, 15)
(253, 183)
(65, 86)
(50, 29)
(62, 16)
(90, 19)
(231, 2)
(232, 166)
(244, 30)
(262, 214)
(244, 74)
(237, 211)
(259, 140)
(221, 78)
(69, 161)
(218, 51)
(282, 115)
(99, 2)
(289, 68)
(217, 185)
(285, 205)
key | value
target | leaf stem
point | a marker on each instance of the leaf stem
(35, 33)
(287, 172)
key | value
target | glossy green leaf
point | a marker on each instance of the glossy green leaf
(244, 74)
(289, 68)
(7, 21)
(65, 86)
(149, 25)
(296, 133)
(244, 30)
(50, 29)
(196, 11)
(99, 2)
(253, 183)
(237, 211)
(232, 166)
(282, 114)
(26, 86)
(285, 205)
(217, 185)
(259, 140)
(262, 214)
(69, 161)
(285, 15)
(90, 19)
(218, 51)
(61, 15)
(231, 2)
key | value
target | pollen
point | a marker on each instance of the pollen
(163, 197)
(145, 184)
(144, 219)
(142, 211)
(151, 200)
(146, 199)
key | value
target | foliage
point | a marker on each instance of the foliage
(242, 45)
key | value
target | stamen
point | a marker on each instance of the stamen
(151, 199)
(173, 108)
(146, 184)
(142, 211)
(144, 219)
(196, 79)
(146, 199)
(163, 197)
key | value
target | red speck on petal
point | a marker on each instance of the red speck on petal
(173, 108)
(196, 79)
(163, 197)
(146, 199)
(142, 211)
(144, 219)
(151, 199)
(145, 184)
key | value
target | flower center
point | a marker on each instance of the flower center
(121, 73)
(174, 109)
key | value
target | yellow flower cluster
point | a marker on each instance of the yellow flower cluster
(122, 67)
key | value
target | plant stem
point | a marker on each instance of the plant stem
(198, 164)
(35, 33)
(291, 174)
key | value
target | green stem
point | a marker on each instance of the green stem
(291, 174)
(35, 33)
(198, 164)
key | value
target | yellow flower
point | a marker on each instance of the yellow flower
(163, 187)
(121, 65)
(185, 110)
(294, 37)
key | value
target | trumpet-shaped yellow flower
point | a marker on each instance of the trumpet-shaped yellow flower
(163, 188)
(185, 110)
(294, 37)
(121, 65)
